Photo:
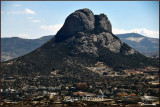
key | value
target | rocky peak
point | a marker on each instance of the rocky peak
(80, 20)
(83, 20)
(86, 30)
(102, 23)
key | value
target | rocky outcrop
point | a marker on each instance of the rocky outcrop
(102, 23)
(80, 20)
(83, 20)
(108, 41)
(86, 30)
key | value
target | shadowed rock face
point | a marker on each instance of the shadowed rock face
(87, 43)
(90, 30)
(80, 20)
(102, 23)
(83, 20)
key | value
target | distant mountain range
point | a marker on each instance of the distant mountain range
(145, 45)
(15, 47)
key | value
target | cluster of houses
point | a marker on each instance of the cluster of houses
(132, 86)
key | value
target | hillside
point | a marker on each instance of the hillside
(15, 47)
(145, 45)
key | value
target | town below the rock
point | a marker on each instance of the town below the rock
(136, 87)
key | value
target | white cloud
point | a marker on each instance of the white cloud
(26, 11)
(142, 31)
(29, 11)
(16, 5)
(36, 21)
(33, 20)
(29, 18)
(52, 28)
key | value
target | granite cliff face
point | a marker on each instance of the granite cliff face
(82, 21)
(86, 29)
(102, 23)
(84, 40)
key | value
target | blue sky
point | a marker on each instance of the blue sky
(34, 19)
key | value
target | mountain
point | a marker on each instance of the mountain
(84, 40)
(15, 47)
(145, 45)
